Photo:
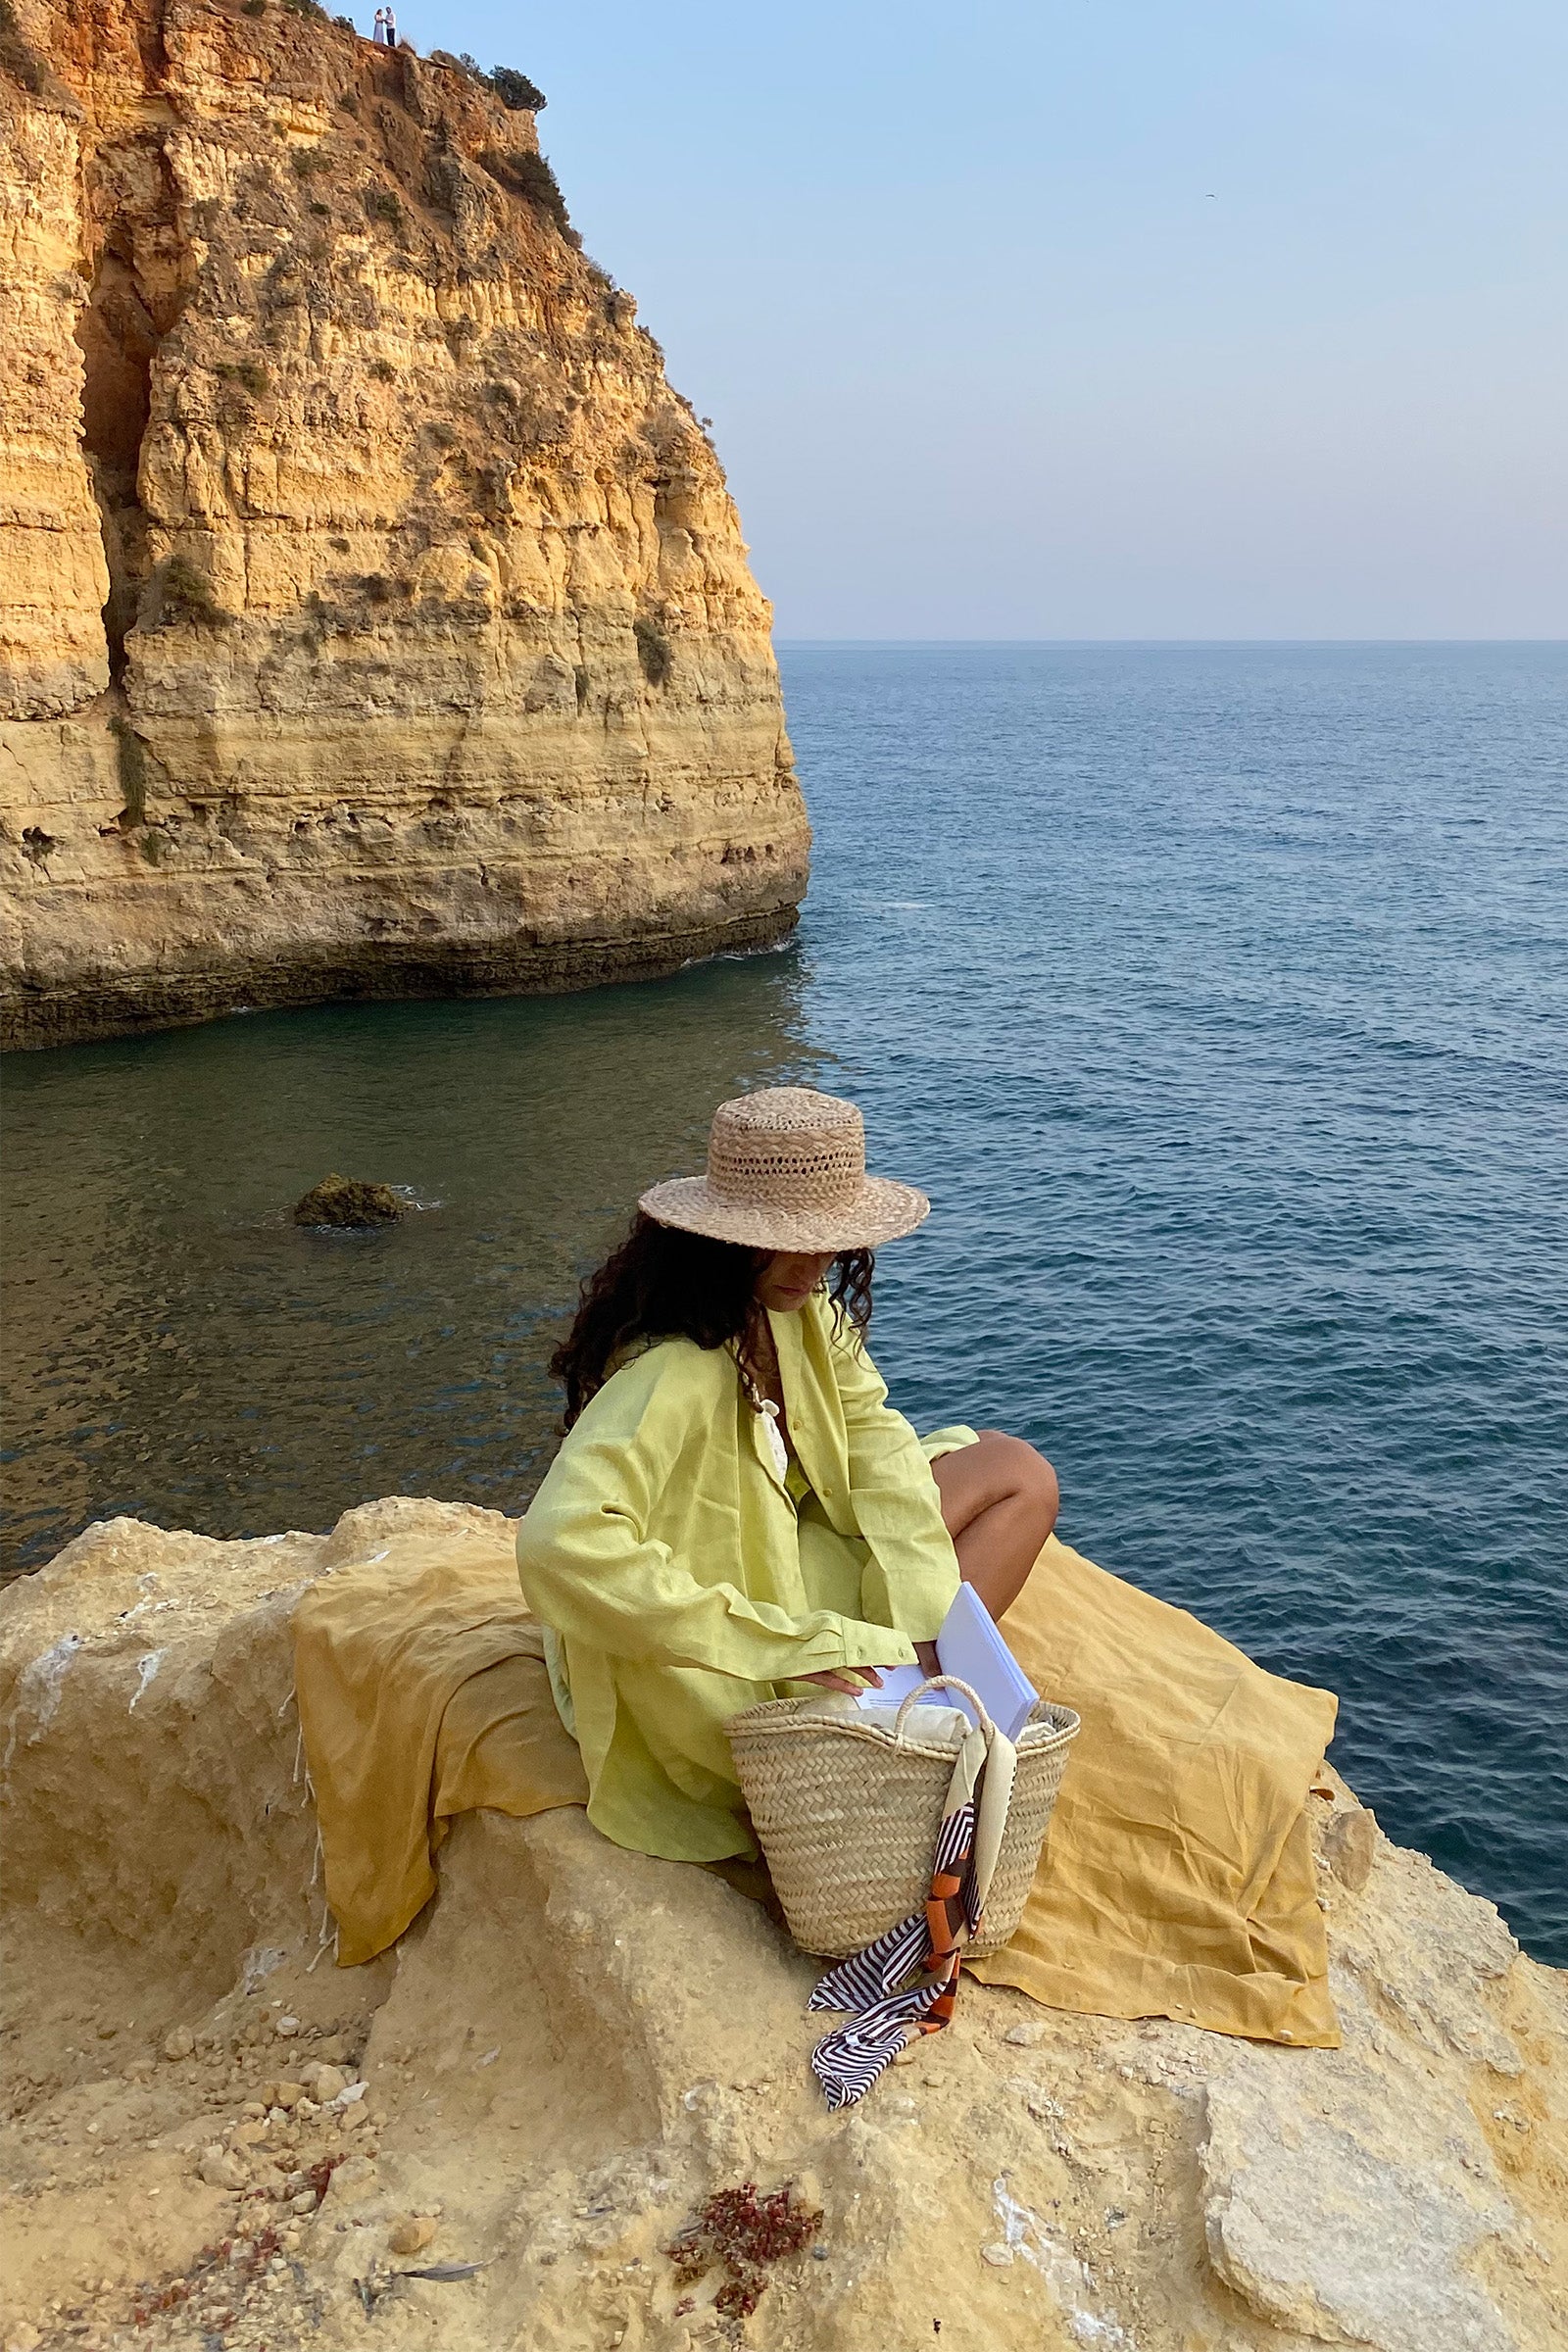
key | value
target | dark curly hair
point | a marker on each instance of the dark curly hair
(661, 1284)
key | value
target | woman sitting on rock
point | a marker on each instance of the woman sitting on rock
(736, 1512)
(736, 1509)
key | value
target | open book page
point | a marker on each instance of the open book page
(970, 1646)
(897, 1683)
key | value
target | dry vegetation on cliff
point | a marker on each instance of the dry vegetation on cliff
(341, 502)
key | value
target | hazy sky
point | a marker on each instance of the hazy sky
(1095, 318)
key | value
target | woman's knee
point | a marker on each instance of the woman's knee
(1023, 1469)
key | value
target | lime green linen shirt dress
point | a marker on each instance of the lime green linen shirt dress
(678, 1583)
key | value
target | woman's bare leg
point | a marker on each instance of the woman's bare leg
(999, 1499)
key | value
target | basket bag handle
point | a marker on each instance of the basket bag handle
(945, 1682)
(1000, 1766)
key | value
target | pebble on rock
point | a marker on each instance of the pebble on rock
(179, 2042)
(1025, 2036)
(411, 2234)
(221, 2168)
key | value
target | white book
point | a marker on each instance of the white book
(970, 1646)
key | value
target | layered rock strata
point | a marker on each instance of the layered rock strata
(492, 2136)
(373, 617)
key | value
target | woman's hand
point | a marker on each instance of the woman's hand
(853, 1679)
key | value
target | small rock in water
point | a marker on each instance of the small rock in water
(411, 2234)
(1351, 1843)
(348, 1200)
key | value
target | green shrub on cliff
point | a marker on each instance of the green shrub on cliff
(250, 374)
(130, 755)
(382, 205)
(186, 596)
(653, 651)
(530, 176)
(516, 91)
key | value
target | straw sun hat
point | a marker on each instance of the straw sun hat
(786, 1170)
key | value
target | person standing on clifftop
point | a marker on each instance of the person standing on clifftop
(391, 29)
(379, 35)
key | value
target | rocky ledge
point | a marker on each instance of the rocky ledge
(493, 2136)
(374, 619)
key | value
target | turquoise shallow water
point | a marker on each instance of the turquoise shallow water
(1219, 997)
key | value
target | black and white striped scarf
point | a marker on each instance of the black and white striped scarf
(929, 1944)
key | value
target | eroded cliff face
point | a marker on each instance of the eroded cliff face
(373, 617)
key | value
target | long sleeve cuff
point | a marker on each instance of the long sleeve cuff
(869, 1645)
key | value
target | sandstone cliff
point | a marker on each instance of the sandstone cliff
(575, 2048)
(373, 617)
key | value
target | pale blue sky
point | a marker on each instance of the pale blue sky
(986, 357)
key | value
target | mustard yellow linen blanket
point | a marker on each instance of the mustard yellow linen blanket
(1177, 1881)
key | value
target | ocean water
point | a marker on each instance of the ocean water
(1219, 997)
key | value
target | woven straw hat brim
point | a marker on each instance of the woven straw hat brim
(884, 1209)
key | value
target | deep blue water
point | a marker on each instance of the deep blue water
(1219, 997)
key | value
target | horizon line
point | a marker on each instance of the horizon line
(1182, 641)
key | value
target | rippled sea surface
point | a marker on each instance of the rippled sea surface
(1219, 997)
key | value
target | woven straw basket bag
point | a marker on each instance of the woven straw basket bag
(848, 1815)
